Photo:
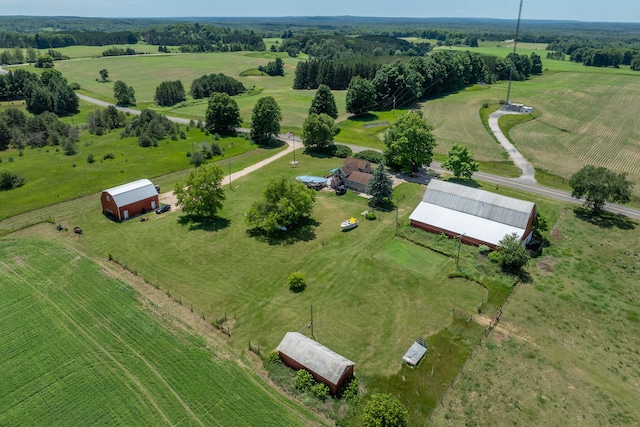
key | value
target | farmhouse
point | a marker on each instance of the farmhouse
(353, 174)
(478, 217)
(127, 200)
(326, 366)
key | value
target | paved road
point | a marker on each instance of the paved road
(526, 182)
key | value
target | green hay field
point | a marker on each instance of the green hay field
(82, 348)
(144, 73)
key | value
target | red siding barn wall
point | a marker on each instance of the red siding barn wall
(465, 239)
(138, 207)
(532, 218)
(108, 205)
(347, 374)
(297, 366)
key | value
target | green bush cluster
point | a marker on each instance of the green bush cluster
(297, 282)
(342, 151)
(304, 382)
(371, 156)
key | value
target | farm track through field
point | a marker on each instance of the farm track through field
(105, 324)
(84, 332)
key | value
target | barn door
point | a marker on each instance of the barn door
(126, 214)
(153, 204)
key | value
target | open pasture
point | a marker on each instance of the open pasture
(358, 281)
(144, 73)
(566, 351)
(82, 348)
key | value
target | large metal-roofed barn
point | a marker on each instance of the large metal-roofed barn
(326, 366)
(478, 217)
(127, 200)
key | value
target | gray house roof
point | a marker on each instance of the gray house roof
(478, 214)
(132, 192)
(314, 356)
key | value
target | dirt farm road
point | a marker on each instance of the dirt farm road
(526, 182)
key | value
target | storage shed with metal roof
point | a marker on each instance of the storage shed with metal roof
(301, 352)
(478, 217)
(131, 199)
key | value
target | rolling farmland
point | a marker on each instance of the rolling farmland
(82, 348)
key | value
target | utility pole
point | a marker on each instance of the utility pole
(311, 323)
(459, 244)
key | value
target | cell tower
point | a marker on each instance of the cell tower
(515, 46)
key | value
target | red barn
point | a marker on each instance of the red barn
(477, 217)
(127, 200)
(326, 366)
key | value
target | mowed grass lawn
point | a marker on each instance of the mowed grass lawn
(371, 295)
(566, 351)
(80, 347)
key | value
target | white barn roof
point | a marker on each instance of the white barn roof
(132, 192)
(314, 356)
(475, 213)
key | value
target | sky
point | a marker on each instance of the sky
(577, 10)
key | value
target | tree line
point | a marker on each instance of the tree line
(399, 83)
(18, 130)
(329, 46)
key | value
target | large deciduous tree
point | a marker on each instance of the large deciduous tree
(284, 204)
(397, 85)
(409, 143)
(318, 131)
(361, 96)
(380, 187)
(125, 95)
(511, 255)
(599, 185)
(104, 75)
(223, 114)
(202, 194)
(384, 410)
(265, 120)
(324, 102)
(460, 162)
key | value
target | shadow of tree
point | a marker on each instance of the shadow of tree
(604, 219)
(302, 232)
(364, 118)
(203, 223)
(466, 182)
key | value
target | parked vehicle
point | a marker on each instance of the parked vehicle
(163, 208)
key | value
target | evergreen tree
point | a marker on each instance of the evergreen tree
(380, 188)
(324, 102)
